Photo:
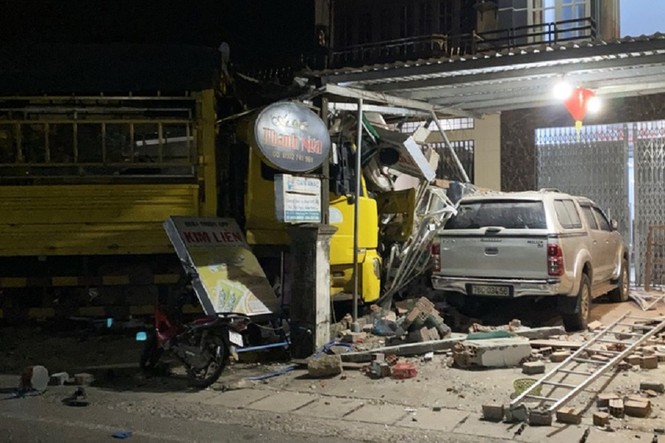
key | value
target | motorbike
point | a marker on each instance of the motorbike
(203, 345)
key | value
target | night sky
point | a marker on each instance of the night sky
(263, 32)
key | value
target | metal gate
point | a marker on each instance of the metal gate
(613, 165)
(648, 142)
(592, 163)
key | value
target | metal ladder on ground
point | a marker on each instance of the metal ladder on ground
(582, 369)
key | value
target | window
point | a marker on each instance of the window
(567, 214)
(509, 214)
(448, 124)
(588, 216)
(447, 168)
(602, 220)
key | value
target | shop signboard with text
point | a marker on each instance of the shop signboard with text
(291, 138)
(226, 275)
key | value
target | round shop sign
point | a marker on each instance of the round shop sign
(291, 138)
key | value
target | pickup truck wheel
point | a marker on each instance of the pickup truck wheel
(620, 293)
(578, 320)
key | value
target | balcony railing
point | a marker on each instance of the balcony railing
(442, 45)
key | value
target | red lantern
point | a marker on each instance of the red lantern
(576, 104)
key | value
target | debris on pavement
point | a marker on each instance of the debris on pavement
(325, 365)
(403, 370)
(78, 399)
(492, 353)
(34, 378)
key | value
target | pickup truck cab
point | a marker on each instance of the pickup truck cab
(532, 244)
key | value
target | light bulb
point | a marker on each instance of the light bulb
(593, 105)
(562, 90)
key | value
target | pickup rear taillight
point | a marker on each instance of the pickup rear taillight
(435, 250)
(554, 260)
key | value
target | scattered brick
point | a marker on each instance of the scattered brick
(83, 378)
(600, 358)
(540, 418)
(354, 337)
(649, 362)
(404, 370)
(616, 407)
(637, 408)
(633, 360)
(650, 386)
(559, 356)
(624, 366)
(601, 418)
(569, 415)
(651, 393)
(603, 399)
(493, 412)
(594, 325)
(533, 367)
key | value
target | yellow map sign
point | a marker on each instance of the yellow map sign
(227, 277)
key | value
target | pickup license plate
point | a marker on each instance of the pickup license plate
(501, 291)
(235, 338)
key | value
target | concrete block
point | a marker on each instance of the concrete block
(661, 356)
(380, 369)
(594, 325)
(83, 378)
(493, 412)
(378, 357)
(649, 362)
(59, 379)
(601, 418)
(533, 367)
(492, 353)
(559, 356)
(650, 393)
(633, 359)
(354, 337)
(600, 358)
(603, 399)
(324, 366)
(636, 408)
(569, 415)
(647, 385)
(623, 366)
(616, 407)
(540, 418)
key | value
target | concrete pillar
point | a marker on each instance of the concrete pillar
(309, 308)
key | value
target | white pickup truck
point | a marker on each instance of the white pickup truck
(535, 244)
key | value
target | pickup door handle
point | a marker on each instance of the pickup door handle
(491, 251)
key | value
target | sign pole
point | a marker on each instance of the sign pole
(355, 208)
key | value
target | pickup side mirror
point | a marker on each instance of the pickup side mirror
(614, 224)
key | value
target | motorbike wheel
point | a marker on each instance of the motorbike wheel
(219, 353)
(151, 354)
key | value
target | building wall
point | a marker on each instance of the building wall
(487, 149)
(518, 151)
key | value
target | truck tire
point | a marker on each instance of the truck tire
(621, 292)
(578, 320)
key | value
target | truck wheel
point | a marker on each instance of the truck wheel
(578, 320)
(621, 292)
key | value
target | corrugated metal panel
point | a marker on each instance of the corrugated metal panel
(91, 219)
